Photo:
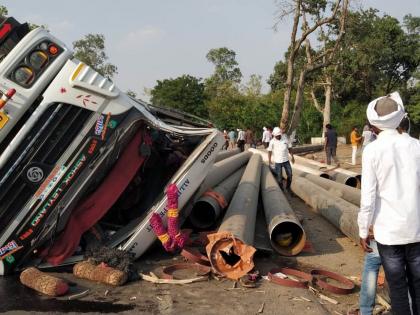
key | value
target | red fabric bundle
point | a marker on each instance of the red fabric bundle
(93, 208)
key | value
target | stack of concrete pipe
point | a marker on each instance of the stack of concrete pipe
(232, 186)
(337, 174)
(235, 187)
(337, 202)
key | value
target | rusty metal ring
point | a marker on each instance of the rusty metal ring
(306, 278)
(349, 285)
(195, 256)
(169, 270)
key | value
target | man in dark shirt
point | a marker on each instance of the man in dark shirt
(331, 144)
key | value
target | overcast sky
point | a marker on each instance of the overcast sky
(158, 39)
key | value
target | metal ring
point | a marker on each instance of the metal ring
(349, 285)
(169, 270)
(306, 278)
(195, 256)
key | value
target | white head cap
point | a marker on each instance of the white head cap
(276, 131)
(389, 121)
(264, 128)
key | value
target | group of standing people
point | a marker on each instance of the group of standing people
(360, 141)
(242, 139)
(245, 139)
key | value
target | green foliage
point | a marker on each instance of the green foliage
(185, 93)
(253, 86)
(3, 11)
(91, 50)
(310, 123)
(226, 66)
(278, 78)
(131, 93)
(377, 57)
(237, 110)
(226, 72)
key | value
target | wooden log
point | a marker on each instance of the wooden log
(43, 283)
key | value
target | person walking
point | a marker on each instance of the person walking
(279, 150)
(226, 144)
(330, 145)
(249, 138)
(368, 136)
(355, 140)
(266, 137)
(232, 139)
(390, 201)
(241, 140)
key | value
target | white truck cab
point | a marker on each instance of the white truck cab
(62, 137)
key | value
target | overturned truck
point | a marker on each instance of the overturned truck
(80, 161)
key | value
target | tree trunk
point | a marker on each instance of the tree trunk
(287, 93)
(298, 101)
(290, 68)
(327, 104)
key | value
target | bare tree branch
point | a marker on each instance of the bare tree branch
(318, 24)
(315, 101)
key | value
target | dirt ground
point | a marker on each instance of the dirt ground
(344, 157)
(331, 250)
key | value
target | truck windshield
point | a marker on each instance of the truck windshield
(11, 32)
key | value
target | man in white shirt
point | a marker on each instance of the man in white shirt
(241, 140)
(390, 201)
(266, 137)
(279, 149)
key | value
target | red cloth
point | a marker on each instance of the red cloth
(92, 209)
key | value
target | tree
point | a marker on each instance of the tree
(226, 72)
(226, 66)
(185, 93)
(3, 11)
(131, 93)
(91, 50)
(377, 58)
(303, 9)
(253, 86)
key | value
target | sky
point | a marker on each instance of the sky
(160, 39)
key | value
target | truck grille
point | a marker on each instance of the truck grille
(37, 155)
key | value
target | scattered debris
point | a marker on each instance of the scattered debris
(321, 296)
(382, 302)
(78, 295)
(152, 278)
(261, 309)
(133, 298)
(290, 277)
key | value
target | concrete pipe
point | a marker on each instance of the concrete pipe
(225, 154)
(230, 250)
(342, 214)
(310, 170)
(337, 174)
(208, 208)
(307, 148)
(286, 234)
(348, 193)
(221, 170)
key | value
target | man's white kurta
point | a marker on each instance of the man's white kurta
(390, 196)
